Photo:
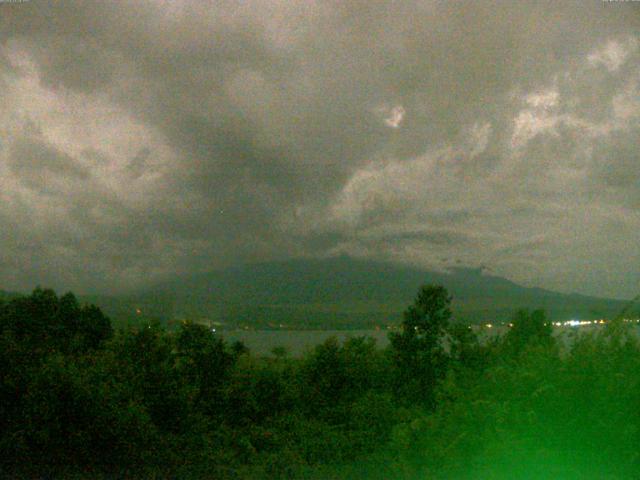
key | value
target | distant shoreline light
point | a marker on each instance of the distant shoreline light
(574, 323)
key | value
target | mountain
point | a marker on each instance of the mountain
(343, 292)
(339, 292)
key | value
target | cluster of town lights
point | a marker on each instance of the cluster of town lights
(576, 323)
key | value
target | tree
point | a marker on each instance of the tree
(238, 348)
(33, 319)
(42, 322)
(325, 373)
(68, 319)
(466, 349)
(94, 327)
(528, 328)
(419, 348)
(280, 352)
(205, 363)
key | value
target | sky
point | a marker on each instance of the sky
(142, 140)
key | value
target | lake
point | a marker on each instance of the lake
(298, 341)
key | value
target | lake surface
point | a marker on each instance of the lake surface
(297, 342)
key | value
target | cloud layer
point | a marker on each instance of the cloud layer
(143, 139)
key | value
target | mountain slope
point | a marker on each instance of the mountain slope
(345, 292)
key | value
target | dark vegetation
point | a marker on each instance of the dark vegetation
(78, 400)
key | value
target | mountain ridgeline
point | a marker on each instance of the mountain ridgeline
(340, 292)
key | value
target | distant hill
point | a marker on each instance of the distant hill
(344, 292)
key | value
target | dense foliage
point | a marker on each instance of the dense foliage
(78, 400)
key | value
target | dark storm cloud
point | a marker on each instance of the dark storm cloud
(433, 238)
(619, 163)
(36, 162)
(208, 133)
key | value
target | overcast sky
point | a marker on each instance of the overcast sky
(142, 139)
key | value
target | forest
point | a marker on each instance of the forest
(79, 399)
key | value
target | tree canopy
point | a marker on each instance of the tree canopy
(78, 400)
